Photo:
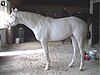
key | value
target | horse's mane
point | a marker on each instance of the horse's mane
(33, 14)
(33, 17)
(36, 16)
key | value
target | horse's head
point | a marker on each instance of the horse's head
(12, 18)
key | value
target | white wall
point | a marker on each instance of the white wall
(3, 38)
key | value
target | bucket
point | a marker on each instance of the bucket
(93, 54)
(17, 40)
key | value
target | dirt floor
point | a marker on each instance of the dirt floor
(33, 64)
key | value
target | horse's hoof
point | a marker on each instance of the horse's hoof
(47, 68)
(80, 69)
(70, 65)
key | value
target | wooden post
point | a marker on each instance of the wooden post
(9, 36)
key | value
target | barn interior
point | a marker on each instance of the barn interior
(49, 8)
(28, 58)
(56, 9)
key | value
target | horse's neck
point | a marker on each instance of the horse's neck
(25, 18)
(29, 20)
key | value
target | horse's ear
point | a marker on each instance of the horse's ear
(15, 9)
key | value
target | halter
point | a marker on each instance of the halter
(11, 24)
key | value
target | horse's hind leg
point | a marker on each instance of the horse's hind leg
(75, 47)
(80, 45)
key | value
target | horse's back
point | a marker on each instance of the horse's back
(60, 29)
(65, 27)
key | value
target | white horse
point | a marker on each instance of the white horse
(48, 29)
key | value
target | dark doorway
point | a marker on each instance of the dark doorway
(95, 26)
(28, 34)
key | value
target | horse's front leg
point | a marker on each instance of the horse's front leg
(45, 47)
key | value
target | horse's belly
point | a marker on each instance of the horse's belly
(56, 36)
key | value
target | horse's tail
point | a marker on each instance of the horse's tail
(88, 32)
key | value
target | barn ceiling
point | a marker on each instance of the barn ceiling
(21, 3)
